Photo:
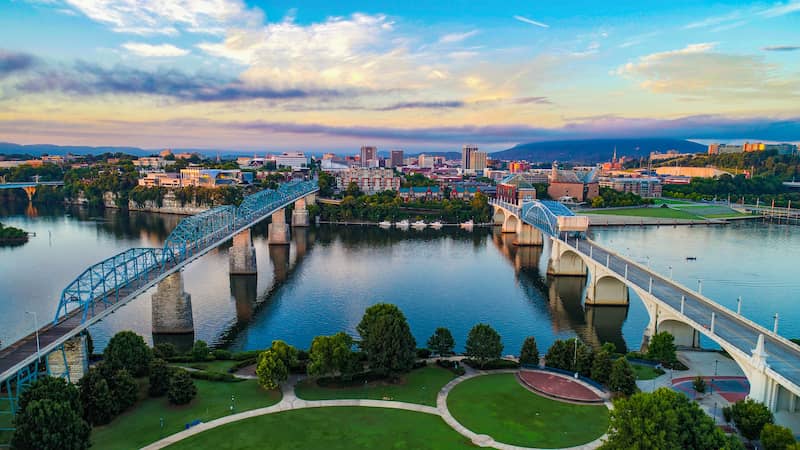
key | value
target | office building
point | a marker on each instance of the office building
(369, 181)
(368, 153)
(396, 159)
(466, 156)
(478, 161)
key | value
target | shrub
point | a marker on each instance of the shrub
(124, 389)
(181, 387)
(776, 437)
(164, 350)
(494, 364)
(750, 417)
(200, 351)
(452, 366)
(699, 384)
(442, 342)
(159, 378)
(127, 350)
(423, 353)
(622, 378)
(214, 376)
(483, 343)
(222, 355)
(331, 354)
(99, 405)
(529, 354)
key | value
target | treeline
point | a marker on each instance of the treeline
(197, 195)
(765, 163)
(766, 189)
(12, 235)
(388, 205)
(610, 198)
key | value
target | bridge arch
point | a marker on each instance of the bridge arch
(499, 216)
(566, 262)
(607, 290)
(510, 224)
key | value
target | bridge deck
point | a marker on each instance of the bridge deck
(784, 356)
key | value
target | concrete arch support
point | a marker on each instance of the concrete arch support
(499, 216)
(510, 224)
(242, 254)
(172, 307)
(607, 290)
(565, 262)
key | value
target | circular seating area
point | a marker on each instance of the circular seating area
(558, 386)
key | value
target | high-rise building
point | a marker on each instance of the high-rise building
(397, 158)
(466, 155)
(478, 160)
(368, 153)
(426, 161)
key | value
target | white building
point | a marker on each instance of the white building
(369, 181)
(295, 160)
(152, 162)
(161, 179)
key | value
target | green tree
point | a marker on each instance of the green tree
(50, 424)
(663, 419)
(200, 350)
(353, 190)
(333, 354)
(271, 369)
(662, 348)
(127, 350)
(159, 378)
(181, 387)
(124, 389)
(572, 355)
(51, 388)
(483, 343)
(285, 352)
(750, 417)
(164, 350)
(99, 405)
(530, 352)
(622, 378)
(441, 342)
(776, 437)
(386, 338)
(602, 365)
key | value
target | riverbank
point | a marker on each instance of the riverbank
(607, 220)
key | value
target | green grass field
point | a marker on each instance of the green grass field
(671, 201)
(141, 425)
(419, 386)
(646, 372)
(336, 428)
(664, 213)
(497, 405)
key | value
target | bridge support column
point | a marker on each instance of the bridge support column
(70, 362)
(565, 262)
(172, 307)
(528, 235)
(278, 229)
(300, 213)
(242, 254)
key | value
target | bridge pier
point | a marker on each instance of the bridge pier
(242, 254)
(71, 362)
(278, 229)
(300, 211)
(528, 235)
(172, 307)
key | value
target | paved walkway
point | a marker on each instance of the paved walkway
(290, 401)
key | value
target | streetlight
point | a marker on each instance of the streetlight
(670, 272)
(699, 286)
(36, 325)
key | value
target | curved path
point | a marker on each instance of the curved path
(289, 402)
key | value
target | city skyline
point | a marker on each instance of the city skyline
(246, 75)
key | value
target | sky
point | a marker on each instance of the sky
(335, 75)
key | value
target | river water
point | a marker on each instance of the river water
(322, 283)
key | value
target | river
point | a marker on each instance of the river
(322, 283)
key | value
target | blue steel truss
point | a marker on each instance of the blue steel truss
(104, 283)
(543, 214)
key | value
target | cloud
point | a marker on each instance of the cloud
(529, 100)
(148, 50)
(423, 105)
(457, 37)
(782, 9)
(11, 62)
(698, 70)
(781, 48)
(166, 16)
(88, 79)
(531, 21)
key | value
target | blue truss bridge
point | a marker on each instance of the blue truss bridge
(106, 286)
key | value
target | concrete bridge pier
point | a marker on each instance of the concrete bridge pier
(242, 254)
(300, 211)
(172, 307)
(71, 361)
(278, 229)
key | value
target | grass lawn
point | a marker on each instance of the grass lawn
(345, 428)
(497, 405)
(419, 386)
(646, 372)
(140, 425)
(671, 201)
(666, 213)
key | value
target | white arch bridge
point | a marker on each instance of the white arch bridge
(770, 362)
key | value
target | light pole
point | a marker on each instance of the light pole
(36, 325)
(699, 286)
(575, 361)
(670, 272)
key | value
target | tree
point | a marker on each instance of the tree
(181, 387)
(200, 351)
(127, 350)
(159, 378)
(441, 342)
(602, 365)
(271, 369)
(750, 417)
(99, 405)
(51, 388)
(332, 354)
(483, 343)
(50, 424)
(572, 355)
(285, 352)
(776, 437)
(530, 352)
(663, 419)
(164, 350)
(622, 378)
(699, 384)
(124, 389)
(662, 348)
(353, 190)
(386, 338)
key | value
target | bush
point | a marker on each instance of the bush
(49, 424)
(51, 388)
(442, 342)
(222, 355)
(200, 351)
(483, 343)
(452, 366)
(127, 350)
(423, 353)
(622, 378)
(529, 354)
(244, 356)
(214, 376)
(662, 348)
(99, 405)
(181, 387)
(271, 369)
(776, 437)
(699, 384)
(750, 417)
(164, 350)
(243, 363)
(727, 414)
(159, 378)
(124, 389)
(494, 364)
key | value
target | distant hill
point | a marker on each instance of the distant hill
(594, 150)
(49, 149)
